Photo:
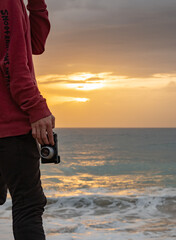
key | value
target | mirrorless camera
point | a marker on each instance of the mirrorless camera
(49, 153)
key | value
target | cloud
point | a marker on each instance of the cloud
(128, 37)
(59, 5)
(55, 99)
(60, 81)
(86, 81)
(171, 86)
(74, 78)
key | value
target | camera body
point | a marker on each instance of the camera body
(49, 153)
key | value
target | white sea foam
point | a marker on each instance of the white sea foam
(140, 216)
(143, 214)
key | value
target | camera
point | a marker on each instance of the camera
(49, 153)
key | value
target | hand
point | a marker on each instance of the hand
(42, 128)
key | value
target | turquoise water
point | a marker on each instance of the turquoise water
(149, 153)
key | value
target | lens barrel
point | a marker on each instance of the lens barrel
(47, 152)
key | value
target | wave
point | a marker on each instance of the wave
(143, 214)
(147, 200)
(148, 203)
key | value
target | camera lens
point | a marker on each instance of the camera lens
(47, 152)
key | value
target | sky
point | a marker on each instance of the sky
(110, 63)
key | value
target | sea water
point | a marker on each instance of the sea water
(111, 184)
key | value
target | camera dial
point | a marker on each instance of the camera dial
(47, 152)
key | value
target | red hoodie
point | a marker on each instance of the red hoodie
(21, 36)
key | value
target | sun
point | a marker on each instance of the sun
(85, 81)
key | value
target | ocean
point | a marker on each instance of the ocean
(111, 184)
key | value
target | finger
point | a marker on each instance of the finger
(50, 135)
(44, 136)
(53, 122)
(39, 136)
(34, 132)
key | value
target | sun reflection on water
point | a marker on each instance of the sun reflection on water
(122, 185)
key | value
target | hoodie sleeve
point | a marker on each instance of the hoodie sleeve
(23, 88)
(40, 25)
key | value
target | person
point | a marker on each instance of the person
(25, 119)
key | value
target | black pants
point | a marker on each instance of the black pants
(20, 173)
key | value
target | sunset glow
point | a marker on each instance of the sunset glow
(105, 70)
(82, 99)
